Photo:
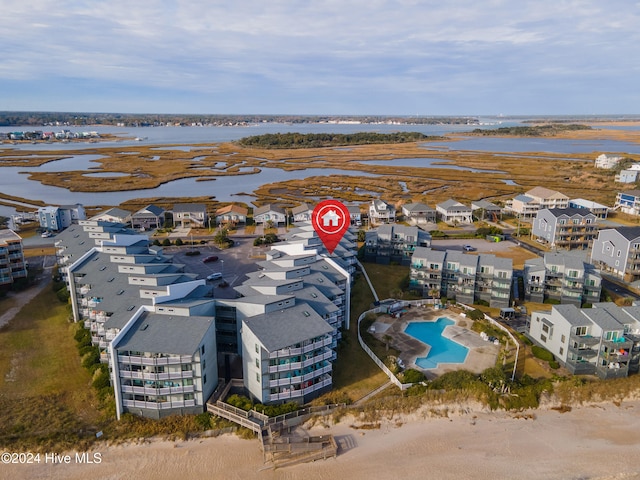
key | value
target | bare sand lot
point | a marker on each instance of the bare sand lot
(590, 442)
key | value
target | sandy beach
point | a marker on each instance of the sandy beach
(590, 442)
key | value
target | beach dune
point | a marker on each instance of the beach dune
(600, 441)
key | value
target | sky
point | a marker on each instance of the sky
(329, 57)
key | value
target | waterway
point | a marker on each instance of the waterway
(13, 182)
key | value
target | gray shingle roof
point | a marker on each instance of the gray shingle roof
(287, 327)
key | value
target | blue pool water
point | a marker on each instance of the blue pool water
(442, 350)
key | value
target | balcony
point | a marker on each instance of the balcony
(155, 376)
(175, 360)
(156, 405)
(289, 352)
(157, 391)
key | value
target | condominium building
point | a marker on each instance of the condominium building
(164, 364)
(565, 228)
(12, 264)
(464, 277)
(561, 277)
(603, 340)
(617, 251)
(394, 243)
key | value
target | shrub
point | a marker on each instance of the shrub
(166, 242)
(542, 353)
(179, 242)
(63, 295)
(458, 380)
(412, 375)
(240, 401)
(481, 302)
(552, 301)
(554, 364)
(476, 314)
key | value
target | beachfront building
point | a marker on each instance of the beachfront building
(231, 215)
(453, 212)
(617, 252)
(394, 243)
(12, 264)
(287, 355)
(164, 364)
(603, 340)
(523, 207)
(599, 210)
(190, 215)
(381, 212)
(418, 213)
(607, 161)
(561, 277)
(269, 214)
(565, 228)
(628, 202)
(148, 218)
(463, 277)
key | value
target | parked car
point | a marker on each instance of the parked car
(214, 276)
(211, 258)
(469, 248)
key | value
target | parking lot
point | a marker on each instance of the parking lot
(233, 263)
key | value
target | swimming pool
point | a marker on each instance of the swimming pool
(443, 350)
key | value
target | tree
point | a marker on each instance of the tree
(221, 238)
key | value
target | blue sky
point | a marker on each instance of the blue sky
(402, 57)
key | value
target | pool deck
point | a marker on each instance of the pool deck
(482, 354)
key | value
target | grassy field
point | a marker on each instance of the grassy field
(45, 395)
(354, 373)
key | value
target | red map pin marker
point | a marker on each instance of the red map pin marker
(330, 220)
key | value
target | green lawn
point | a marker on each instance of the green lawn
(389, 280)
(45, 394)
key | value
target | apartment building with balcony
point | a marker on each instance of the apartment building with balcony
(603, 340)
(394, 243)
(287, 355)
(12, 263)
(464, 277)
(164, 364)
(565, 228)
(561, 277)
(527, 206)
(617, 252)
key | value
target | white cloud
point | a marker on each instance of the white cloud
(284, 45)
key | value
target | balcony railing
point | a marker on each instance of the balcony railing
(158, 405)
(156, 376)
(154, 361)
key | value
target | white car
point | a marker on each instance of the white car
(214, 276)
(469, 248)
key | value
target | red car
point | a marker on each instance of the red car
(212, 258)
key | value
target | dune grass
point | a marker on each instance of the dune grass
(45, 394)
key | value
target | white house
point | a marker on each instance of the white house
(607, 161)
(268, 213)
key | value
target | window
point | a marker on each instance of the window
(562, 339)
(545, 328)
(561, 351)
(543, 338)
(204, 364)
(581, 331)
(257, 348)
(258, 377)
(202, 350)
(204, 379)
(257, 363)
